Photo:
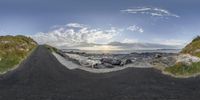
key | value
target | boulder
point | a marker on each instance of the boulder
(85, 63)
(164, 61)
(125, 61)
(99, 66)
(89, 63)
(107, 65)
(158, 56)
(187, 59)
(111, 61)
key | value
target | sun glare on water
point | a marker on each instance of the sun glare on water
(102, 47)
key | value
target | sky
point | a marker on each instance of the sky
(69, 22)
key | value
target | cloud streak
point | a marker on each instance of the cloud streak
(135, 28)
(152, 11)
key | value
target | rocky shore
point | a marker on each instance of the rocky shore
(110, 61)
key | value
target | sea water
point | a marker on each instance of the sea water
(122, 51)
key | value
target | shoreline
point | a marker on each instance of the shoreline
(72, 65)
(68, 64)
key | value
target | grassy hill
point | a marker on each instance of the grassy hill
(182, 69)
(193, 48)
(50, 48)
(13, 49)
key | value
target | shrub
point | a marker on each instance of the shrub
(183, 69)
(13, 49)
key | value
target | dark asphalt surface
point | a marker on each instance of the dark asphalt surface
(42, 77)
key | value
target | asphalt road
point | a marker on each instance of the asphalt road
(42, 77)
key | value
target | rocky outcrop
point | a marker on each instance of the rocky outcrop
(167, 61)
(93, 62)
(125, 61)
(163, 62)
(111, 61)
(187, 59)
(89, 63)
(101, 61)
(83, 61)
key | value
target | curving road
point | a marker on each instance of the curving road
(42, 77)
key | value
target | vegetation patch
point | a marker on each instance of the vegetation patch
(193, 48)
(181, 69)
(184, 69)
(50, 48)
(13, 49)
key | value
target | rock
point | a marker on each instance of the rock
(116, 62)
(128, 61)
(85, 63)
(125, 61)
(70, 52)
(169, 61)
(89, 63)
(61, 53)
(164, 61)
(107, 65)
(99, 66)
(82, 53)
(187, 59)
(111, 61)
(158, 56)
(197, 51)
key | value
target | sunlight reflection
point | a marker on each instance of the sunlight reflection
(102, 47)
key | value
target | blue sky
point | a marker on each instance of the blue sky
(171, 22)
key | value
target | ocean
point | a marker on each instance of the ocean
(122, 51)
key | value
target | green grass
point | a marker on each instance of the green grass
(50, 48)
(183, 69)
(180, 69)
(13, 49)
(8, 63)
(192, 47)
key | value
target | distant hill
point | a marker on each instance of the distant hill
(14, 49)
(143, 45)
(125, 46)
(193, 48)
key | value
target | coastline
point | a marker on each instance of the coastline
(71, 65)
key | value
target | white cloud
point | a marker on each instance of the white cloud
(74, 33)
(135, 28)
(76, 25)
(126, 40)
(158, 12)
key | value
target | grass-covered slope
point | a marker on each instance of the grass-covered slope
(13, 49)
(193, 48)
(50, 48)
(182, 69)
